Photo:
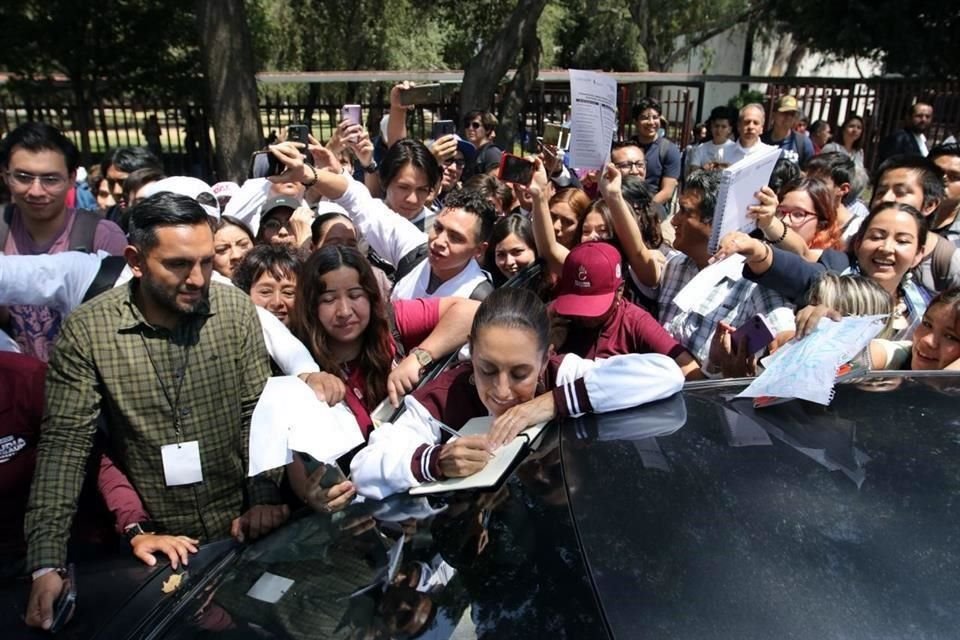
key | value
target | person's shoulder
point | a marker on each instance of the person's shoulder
(20, 365)
(225, 297)
(452, 396)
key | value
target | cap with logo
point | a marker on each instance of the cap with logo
(278, 202)
(786, 104)
(589, 281)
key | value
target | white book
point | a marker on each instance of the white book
(738, 184)
(498, 466)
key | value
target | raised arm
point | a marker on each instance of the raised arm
(553, 253)
(641, 259)
(448, 334)
(389, 234)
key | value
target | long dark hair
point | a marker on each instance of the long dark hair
(514, 224)
(376, 356)
(858, 143)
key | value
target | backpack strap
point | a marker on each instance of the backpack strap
(401, 350)
(409, 261)
(5, 225)
(106, 278)
(84, 230)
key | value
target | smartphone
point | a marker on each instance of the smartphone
(421, 94)
(332, 474)
(515, 169)
(66, 601)
(264, 164)
(551, 134)
(298, 133)
(757, 332)
(443, 128)
(351, 112)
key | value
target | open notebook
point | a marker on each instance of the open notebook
(738, 184)
(498, 466)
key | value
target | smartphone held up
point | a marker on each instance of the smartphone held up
(263, 164)
(515, 169)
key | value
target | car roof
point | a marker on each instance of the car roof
(700, 516)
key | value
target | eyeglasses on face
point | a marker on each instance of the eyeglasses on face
(460, 162)
(796, 216)
(476, 124)
(49, 181)
(627, 166)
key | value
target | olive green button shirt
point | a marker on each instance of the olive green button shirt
(109, 360)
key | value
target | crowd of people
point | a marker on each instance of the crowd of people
(143, 314)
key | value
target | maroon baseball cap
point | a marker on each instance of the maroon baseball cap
(589, 282)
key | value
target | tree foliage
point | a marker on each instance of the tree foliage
(917, 38)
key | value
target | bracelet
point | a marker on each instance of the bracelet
(315, 177)
(782, 235)
(765, 255)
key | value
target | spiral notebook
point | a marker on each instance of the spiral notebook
(496, 469)
(738, 184)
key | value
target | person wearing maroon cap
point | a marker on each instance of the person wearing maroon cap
(602, 322)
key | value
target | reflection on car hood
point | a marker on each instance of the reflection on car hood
(504, 564)
(796, 520)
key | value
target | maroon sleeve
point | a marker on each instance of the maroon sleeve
(648, 335)
(121, 498)
(416, 319)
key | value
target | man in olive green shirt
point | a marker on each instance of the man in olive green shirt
(175, 367)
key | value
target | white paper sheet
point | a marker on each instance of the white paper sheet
(270, 588)
(737, 188)
(289, 417)
(807, 368)
(700, 285)
(593, 100)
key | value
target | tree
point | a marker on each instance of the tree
(670, 29)
(231, 84)
(105, 49)
(917, 38)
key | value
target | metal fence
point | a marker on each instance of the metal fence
(181, 133)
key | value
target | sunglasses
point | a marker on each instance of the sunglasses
(475, 125)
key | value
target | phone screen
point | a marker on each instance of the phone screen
(332, 473)
(443, 128)
(422, 94)
(351, 112)
(515, 169)
(551, 134)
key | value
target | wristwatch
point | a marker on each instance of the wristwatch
(423, 357)
(372, 167)
(139, 528)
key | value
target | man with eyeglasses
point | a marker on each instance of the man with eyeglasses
(39, 164)
(662, 156)
(480, 128)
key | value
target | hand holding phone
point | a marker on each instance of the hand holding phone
(756, 332)
(515, 169)
(66, 602)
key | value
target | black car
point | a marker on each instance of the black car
(695, 517)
